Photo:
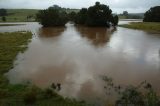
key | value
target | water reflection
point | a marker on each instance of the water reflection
(97, 35)
(51, 31)
(77, 56)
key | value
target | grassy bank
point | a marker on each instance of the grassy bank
(21, 95)
(147, 26)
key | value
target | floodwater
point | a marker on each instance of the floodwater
(77, 56)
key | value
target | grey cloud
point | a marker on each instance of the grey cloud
(115, 5)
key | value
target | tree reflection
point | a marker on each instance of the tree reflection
(51, 31)
(99, 36)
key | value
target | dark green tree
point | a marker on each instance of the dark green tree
(72, 16)
(3, 12)
(99, 15)
(4, 19)
(81, 16)
(152, 15)
(53, 16)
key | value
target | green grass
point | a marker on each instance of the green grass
(20, 15)
(10, 45)
(11, 24)
(22, 95)
(147, 26)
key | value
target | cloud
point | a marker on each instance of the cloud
(115, 5)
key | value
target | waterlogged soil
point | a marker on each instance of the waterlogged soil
(77, 57)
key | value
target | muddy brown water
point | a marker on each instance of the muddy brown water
(77, 56)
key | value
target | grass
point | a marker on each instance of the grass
(10, 46)
(146, 26)
(22, 95)
(11, 24)
(20, 15)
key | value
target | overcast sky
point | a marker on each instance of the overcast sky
(118, 6)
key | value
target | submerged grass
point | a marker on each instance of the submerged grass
(147, 26)
(22, 95)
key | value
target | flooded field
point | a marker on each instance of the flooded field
(77, 56)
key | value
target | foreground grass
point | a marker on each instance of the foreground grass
(21, 95)
(147, 26)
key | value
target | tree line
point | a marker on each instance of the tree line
(97, 15)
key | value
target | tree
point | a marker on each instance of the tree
(125, 13)
(152, 15)
(72, 16)
(53, 16)
(99, 15)
(4, 19)
(81, 16)
(3, 12)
